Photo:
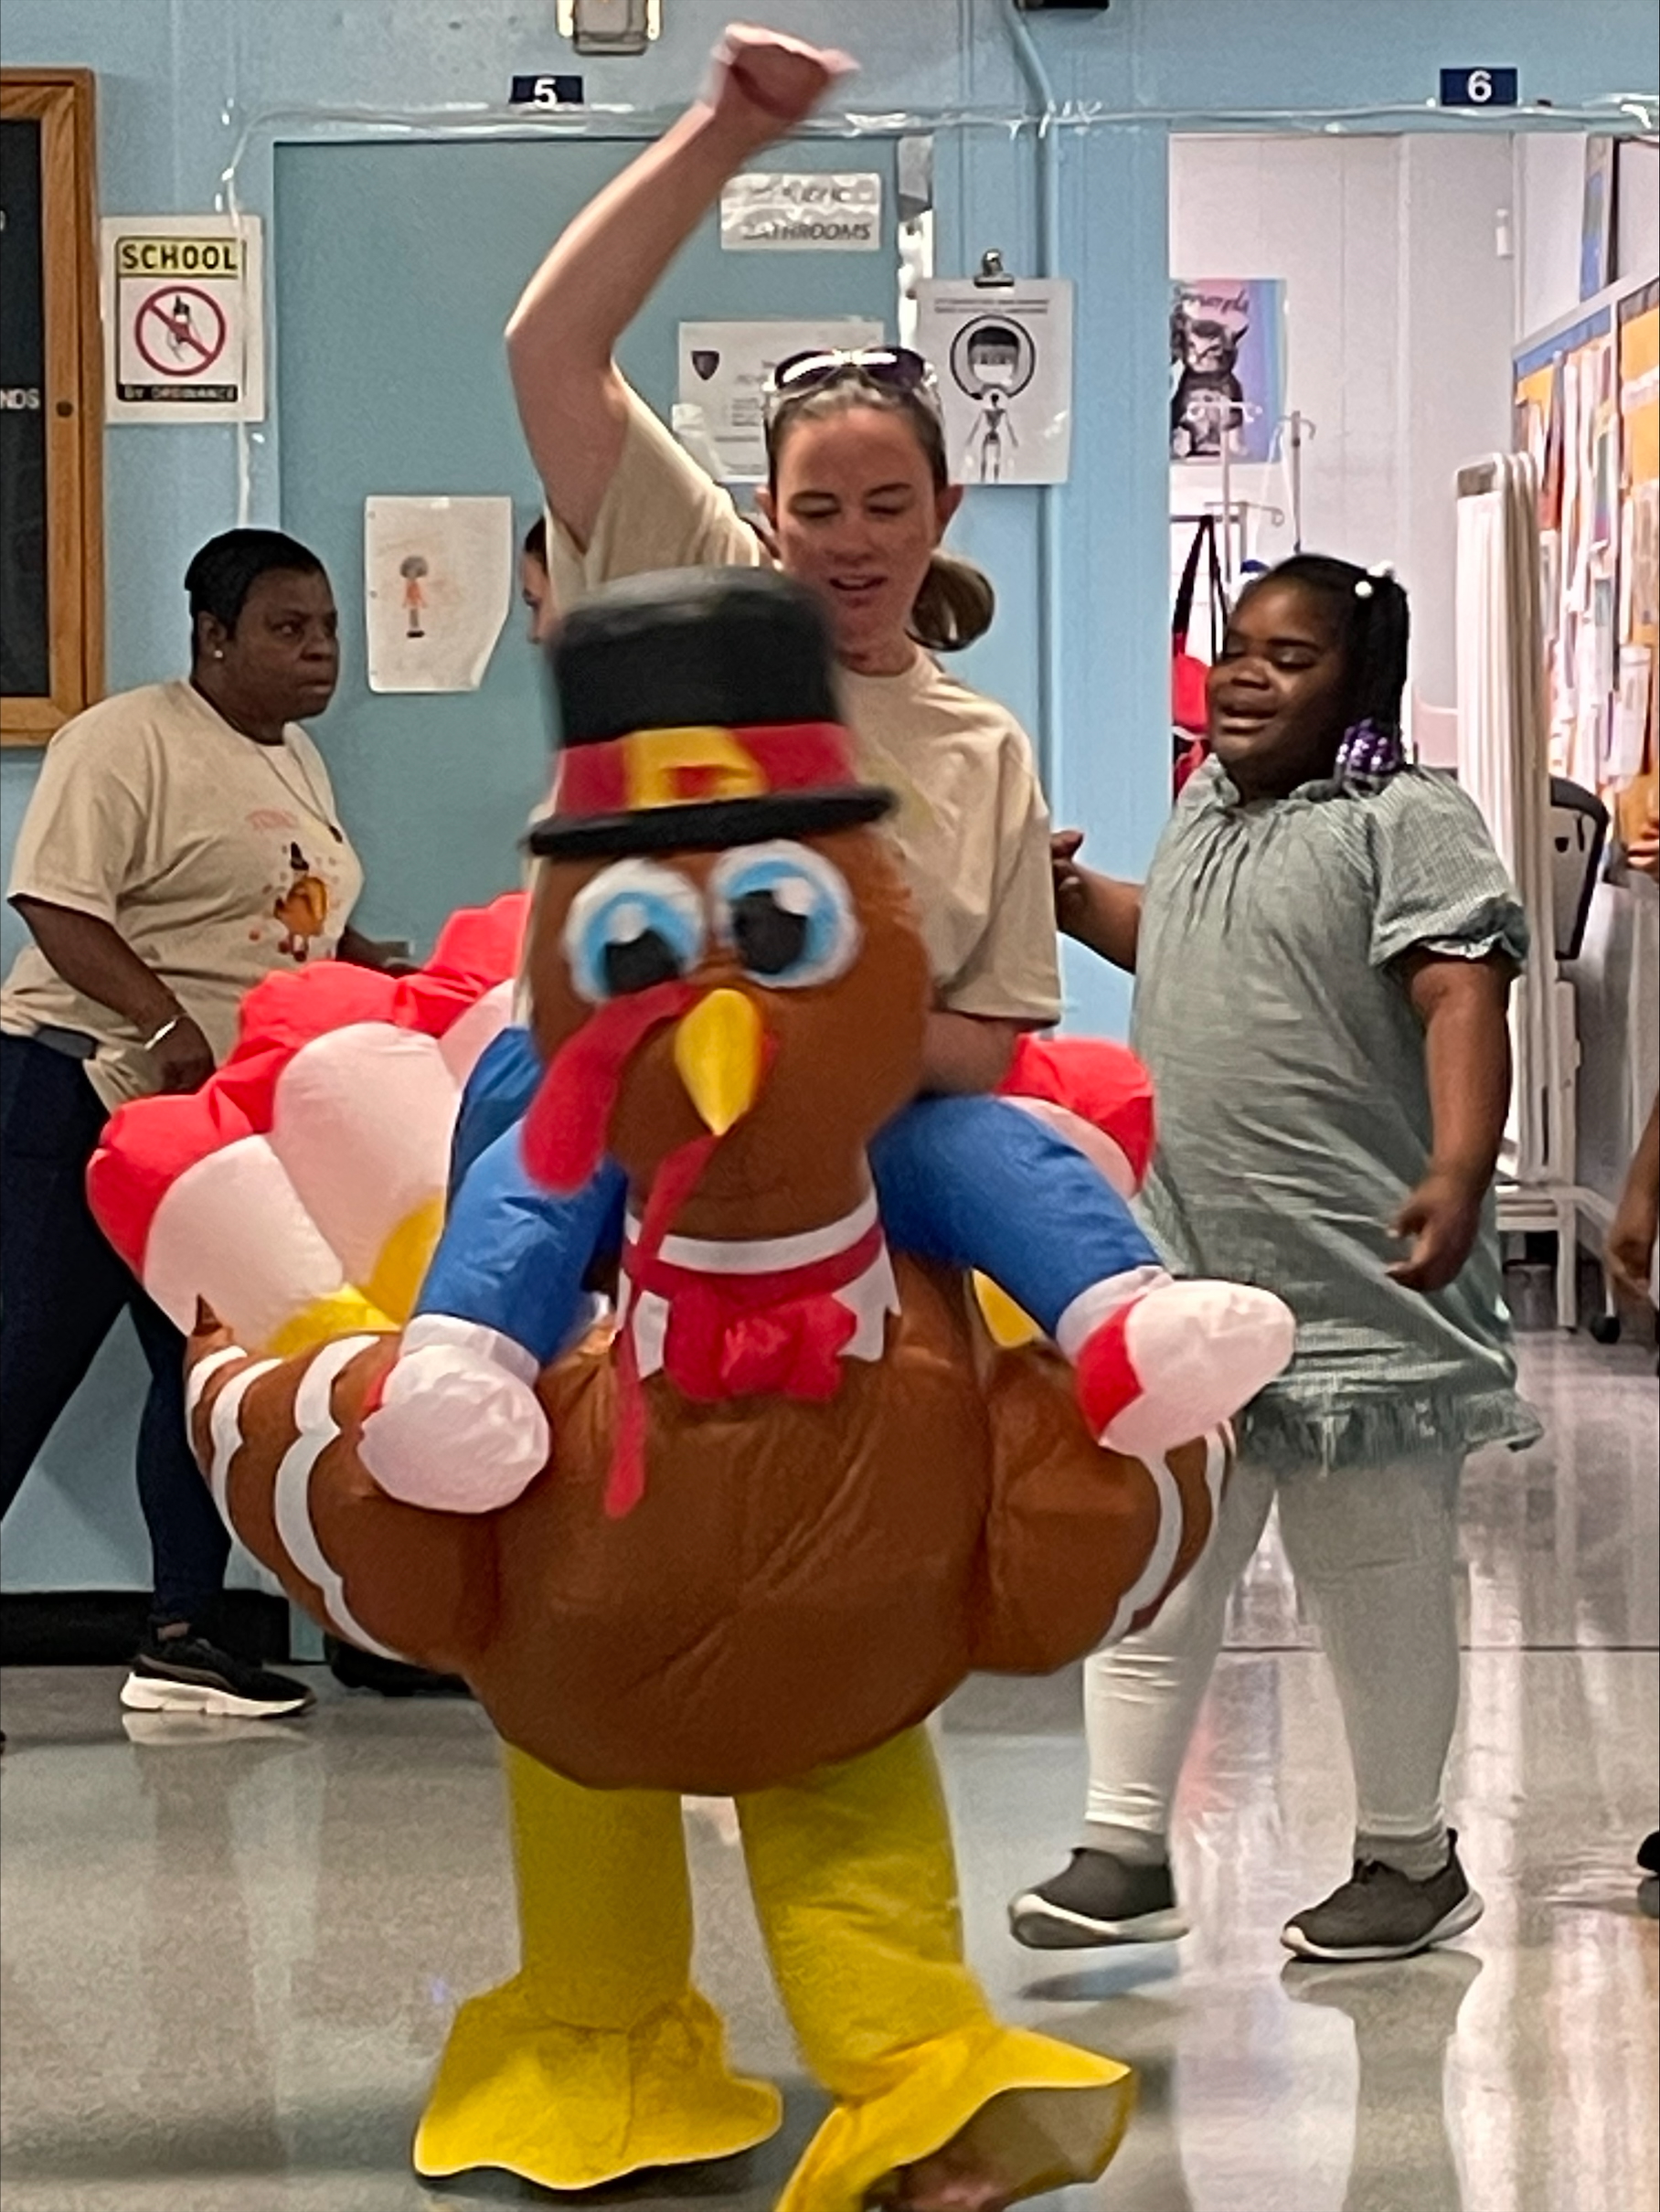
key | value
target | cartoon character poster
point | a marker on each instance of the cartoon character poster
(1227, 367)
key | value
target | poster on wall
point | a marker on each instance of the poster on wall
(1003, 356)
(1596, 218)
(1227, 367)
(184, 319)
(438, 580)
(723, 371)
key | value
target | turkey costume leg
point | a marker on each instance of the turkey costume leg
(855, 1886)
(600, 2056)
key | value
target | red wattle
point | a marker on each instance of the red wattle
(564, 1133)
(671, 1186)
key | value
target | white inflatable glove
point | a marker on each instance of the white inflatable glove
(455, 1432)
(1177, 1360)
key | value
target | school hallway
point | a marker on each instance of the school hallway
(231, 1950)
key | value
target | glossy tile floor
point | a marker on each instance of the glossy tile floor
(230, 1952)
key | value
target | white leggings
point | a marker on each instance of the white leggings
(1374, 1550)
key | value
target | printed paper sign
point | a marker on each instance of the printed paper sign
(724, 369)
(183, 327)
(809, 211)
(1004, 359)
(438, 580)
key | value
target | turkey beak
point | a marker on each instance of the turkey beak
(718, 1052)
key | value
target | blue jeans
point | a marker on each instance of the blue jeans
(970, 1182)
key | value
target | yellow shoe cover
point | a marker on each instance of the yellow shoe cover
(1045, 2115)
(571, 2107)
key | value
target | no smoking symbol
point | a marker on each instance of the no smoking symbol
(180, 331)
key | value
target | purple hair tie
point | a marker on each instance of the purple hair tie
(1369, 757)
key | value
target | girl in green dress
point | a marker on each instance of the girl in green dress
(1323, 951)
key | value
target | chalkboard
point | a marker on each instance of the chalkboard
(26, 653)
(51, 406)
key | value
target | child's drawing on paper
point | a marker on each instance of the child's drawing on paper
(412, 567)
(438, 577)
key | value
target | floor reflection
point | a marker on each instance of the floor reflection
(229, 1953)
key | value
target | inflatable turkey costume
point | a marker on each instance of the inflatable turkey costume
(782, 1510)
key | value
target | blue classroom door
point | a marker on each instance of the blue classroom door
(395, 268)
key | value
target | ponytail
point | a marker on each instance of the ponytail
(954, 606)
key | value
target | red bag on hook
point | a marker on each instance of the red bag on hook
(1188, 672)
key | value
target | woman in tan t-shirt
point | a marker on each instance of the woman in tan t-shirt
(182, 842)
(858, 500)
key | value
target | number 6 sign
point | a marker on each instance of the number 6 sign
(1479, 88)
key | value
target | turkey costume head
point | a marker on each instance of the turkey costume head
(728, 987)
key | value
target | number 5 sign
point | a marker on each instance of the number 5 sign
(1484, 88)
(183, 329)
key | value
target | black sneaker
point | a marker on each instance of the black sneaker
(1648, 1888)
(1381, 1913)
(190, 1675)
(356, 1669)
(1100, 1898)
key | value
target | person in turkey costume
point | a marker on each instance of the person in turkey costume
(858, 495)
(781, 1515)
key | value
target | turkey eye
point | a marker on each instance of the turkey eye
(636, 925)
(638, 964)
(787, 914)
(769, 938)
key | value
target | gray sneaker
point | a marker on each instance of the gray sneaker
(1100, 1899)
(1381, 1913)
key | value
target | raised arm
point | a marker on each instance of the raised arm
(605, 266)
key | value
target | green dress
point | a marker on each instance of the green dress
(1293, 1109)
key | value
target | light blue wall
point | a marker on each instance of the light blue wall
(183, 82)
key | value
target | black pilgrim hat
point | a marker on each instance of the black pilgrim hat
(697, 710)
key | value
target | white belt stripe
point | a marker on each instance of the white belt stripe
(1150, 1583)
(196, 1381)
(225, 1424)
(291, 1502)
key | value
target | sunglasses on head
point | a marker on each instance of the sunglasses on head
(891, 368)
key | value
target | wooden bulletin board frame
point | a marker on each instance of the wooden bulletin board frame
(62, 101)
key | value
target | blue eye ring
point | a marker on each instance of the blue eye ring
(635, 924)
(821, 935)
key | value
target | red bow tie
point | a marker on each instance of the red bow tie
(750, 1336)
(717, 1346)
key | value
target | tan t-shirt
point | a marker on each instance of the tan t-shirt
(972, 826)
(216, 859)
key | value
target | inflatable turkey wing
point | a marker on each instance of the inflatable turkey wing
(285, 1215)
(277, 1439)
(299, 1194)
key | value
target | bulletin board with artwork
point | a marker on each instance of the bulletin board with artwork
(51, 408)
(1639, 365)
(1588, 408)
